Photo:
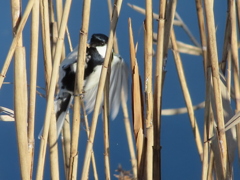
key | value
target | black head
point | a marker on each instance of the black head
(98, 40)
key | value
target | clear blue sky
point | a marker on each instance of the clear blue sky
(180, 159)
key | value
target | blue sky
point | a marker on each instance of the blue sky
(180, 159)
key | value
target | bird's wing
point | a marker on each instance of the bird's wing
(118, 83)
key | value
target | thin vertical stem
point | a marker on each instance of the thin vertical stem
(213, 56)
(106, 127)
(78, 88)
(20, 94)
(33, 81)
(158, 92)
(148, 53)
(49, 108)
(116, 13)
(137, 106)
(186, 95)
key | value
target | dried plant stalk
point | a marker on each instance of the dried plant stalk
(207, 135)
(20, 110)
(20, 94)
(106, 126)
(46, 43)
(186, 94)
(170, 13)
(115, 43)
(53, 148)
(148, 53)
(66, 142)
(95, 174)
(202, 30)
(129, 138)
(56, 62)
(17, 36)
(52, 138)
(78, 88)
(216, 82)
(158, 92)
(116, 12)
(137, 106)
(235, 62)
(170, 112)
(33, 81)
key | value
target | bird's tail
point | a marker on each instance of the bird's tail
(62, 105)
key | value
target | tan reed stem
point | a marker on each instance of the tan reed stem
(137, 105)
(66, 142)
(129, 138)
(208, 110)
(235, 62)
(78, 89)
(116, 13)
(170, 13)
(238, 12)
(95, 174)
(213, 56)
(202, 30)
(33, 81)
(158, 92)
(17, 34)
(115, 42)
(46, 43)
(20, 111)
(186, 95)
(52, 138)
(20, 94)
(56, 62)
(148, 53)
(106, 126)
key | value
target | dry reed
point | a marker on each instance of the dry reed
(217, 149)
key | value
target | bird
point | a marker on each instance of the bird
(95, 55)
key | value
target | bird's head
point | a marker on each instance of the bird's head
(99, 41)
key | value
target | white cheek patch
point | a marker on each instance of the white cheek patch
(102, 50)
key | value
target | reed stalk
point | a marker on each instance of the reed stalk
(17, 36)
(20, 94)
(148, 54)
(202, 29)
(49, 108)
(20, 111)
(78, 89)
(137, 105)
(48, 54)
(235, 62)
(129, 138)
(66, 145)
(33, 82)
(186, 95)
(216, 83)
(238, 13)
(170, 13)
(106, 126)
(46, 43)
(158, 92)
(116, 13)
(115, 42)
(207, 135)
(95, 173)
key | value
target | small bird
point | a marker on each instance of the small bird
(95, 55)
